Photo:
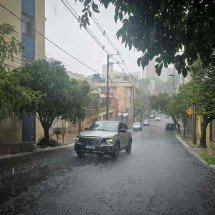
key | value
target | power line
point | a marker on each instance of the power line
(76, 16)
(34, 29)
(49, 40)
(36, 53)
(109, 40)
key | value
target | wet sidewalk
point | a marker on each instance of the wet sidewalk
(210, 150)
(205, 154)
(8, 150)
(68, 138)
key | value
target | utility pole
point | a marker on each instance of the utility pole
(194, 124)
(107, 95)
(133, 100)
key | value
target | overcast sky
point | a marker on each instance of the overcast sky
(63, 29)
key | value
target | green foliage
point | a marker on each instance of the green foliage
(173, 105)
(177, 106)
(141, 105)
(163, 29)
(167, 86)
(200, 91)
(12, 95)
(61, 96)
(160, 102)
(9, 46)
(209, 159)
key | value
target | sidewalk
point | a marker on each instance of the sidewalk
(68, 138)
(205, 154)
(13, 150)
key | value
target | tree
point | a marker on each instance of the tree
(61, 96)
(162, 29)
(160, 102)
(201, 93)
(176, 108)
(141, 105)
(173, 105)
(12, 94)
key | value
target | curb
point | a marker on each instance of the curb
(192, 152)
(2, 157)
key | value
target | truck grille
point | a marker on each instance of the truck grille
(89, 141)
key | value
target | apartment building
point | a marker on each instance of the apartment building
(32, 14)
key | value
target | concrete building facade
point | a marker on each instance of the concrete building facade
(123, 92)
(32, 13)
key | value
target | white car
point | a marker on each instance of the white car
(137, 126)
(146, 122)
(157, 119)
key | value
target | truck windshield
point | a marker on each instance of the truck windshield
(104, 126)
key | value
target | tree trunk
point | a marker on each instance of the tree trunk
(176, 124)
(203, 134)
(141, 117)
(179, 126)
(184, 127)
(46, 133)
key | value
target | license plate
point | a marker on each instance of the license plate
(90, 147)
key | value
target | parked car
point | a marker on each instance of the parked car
(157, 119)
(137, 126)
(146, 122)
(151, 116)
(104, 138)
(170, 126)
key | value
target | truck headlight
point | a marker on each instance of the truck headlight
(77, 139)
(109, 141)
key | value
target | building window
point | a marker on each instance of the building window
(28, 25)
(125, 78)
(103, 90)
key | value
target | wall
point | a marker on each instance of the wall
(198, 130)
(10, 130)
(40, 26)
(39, 48)
(123, 91)
(6, 17)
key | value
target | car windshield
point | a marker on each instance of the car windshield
(136, 124)
(104, 126)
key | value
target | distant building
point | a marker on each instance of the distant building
(120, 77)
(123, 92)
(137, 74)
(104, 70)
(149, 70)
(166, 73)
(76, 76)
(97, 78)
(115, 76)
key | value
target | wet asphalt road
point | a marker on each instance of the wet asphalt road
(158, 177)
